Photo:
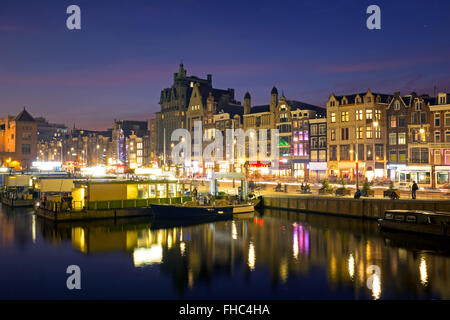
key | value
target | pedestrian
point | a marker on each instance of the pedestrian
(414, 189)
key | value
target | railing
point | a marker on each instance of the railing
(133, 203)
(57, 206)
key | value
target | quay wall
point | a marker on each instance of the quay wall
(365, 208)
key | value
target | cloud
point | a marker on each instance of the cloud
(379, 65)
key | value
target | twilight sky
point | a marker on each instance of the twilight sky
(127, 51)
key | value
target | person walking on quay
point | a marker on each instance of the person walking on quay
(414, 189)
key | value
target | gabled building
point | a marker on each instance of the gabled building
(440, 140)
(419, 139)
(356, 138)
(174, 102)
(18, 140)
(318, 148)
(397, 114)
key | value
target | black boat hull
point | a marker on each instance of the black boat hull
(181, 212)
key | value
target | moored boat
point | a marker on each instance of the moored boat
(426, 222)
(193, 209)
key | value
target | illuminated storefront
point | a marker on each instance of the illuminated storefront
(419, 174)
(318, 170)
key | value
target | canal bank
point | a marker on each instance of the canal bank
(350, 207)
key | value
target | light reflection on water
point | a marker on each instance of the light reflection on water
(276, 254)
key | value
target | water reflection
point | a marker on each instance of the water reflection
(310, 256)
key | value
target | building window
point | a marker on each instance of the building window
(369, 132)
(344, 116)
(361, 152)
(322, 155)
(359, 133)
(437, 136)
(393, 121)
(414, 118)
(379, 152)
(437, 119)
(344, 133)
(419, 155)
(423, 117)
(323, 129)
(344, 152)
(313, 155)
(333, 134)
(447, 119)
(26, 148)
(402, 138)
(402, 122)
(369, 115)
(392, 139)
(377, 114)
(377, 133)
(393, 156)
(26, 136)
(437, 156)
(333, 117)
(402, 156)
(322, 142)
(333, 153)
(424, 155)
(397, 105)
(369, 150)
(447, 136)
(313, 130)
(359, 114)
(418, 106)
(314, 143)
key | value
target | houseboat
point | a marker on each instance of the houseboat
(220, 209)
(17, 191)
(103, 199)
(425, 222)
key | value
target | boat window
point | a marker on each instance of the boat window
(389, 216)
(400, 218)
(411, 219)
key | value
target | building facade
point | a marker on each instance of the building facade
(356, 138)
(18, 141)
(174, 102)
(440, 145)
(318, 149)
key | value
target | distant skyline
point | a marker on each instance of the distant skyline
(127, 52)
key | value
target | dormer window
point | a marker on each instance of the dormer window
(283, 107)
(442, 100)
(396, 105)
(418, 106)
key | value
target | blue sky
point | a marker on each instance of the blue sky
(127, 51)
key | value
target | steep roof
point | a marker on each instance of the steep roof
(24, 116)
(232, 109)
(384, 98)
(305, 106)
(259, 109)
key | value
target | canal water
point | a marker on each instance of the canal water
(270, 255)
